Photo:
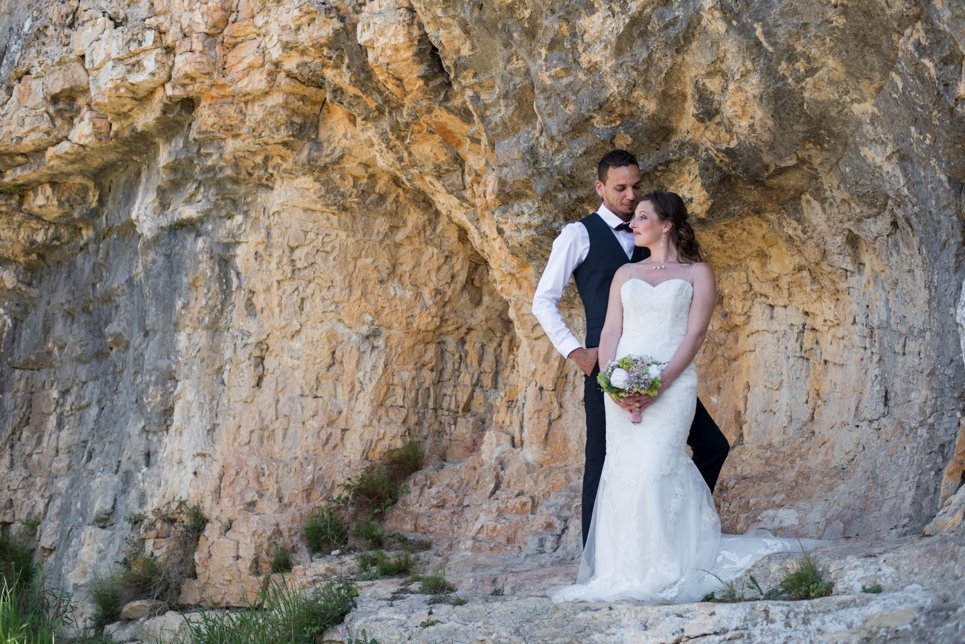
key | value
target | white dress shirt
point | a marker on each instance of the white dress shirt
(569, 250)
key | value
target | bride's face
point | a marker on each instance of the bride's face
(646, 225)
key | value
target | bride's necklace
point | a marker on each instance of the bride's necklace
(659, 267)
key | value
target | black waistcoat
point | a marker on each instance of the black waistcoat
(594, 275)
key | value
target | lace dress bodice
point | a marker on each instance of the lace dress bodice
(654, 317)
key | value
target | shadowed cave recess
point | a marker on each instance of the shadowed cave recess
(249, 247)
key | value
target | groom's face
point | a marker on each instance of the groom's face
(621, 190)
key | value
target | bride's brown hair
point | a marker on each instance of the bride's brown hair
(670, 207)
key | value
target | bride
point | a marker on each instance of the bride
(655, 534)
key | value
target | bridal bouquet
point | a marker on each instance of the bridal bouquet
(631, 374)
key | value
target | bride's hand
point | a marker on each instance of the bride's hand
(633, 402)
(647, 400)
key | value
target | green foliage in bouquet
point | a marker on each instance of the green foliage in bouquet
(607, 387)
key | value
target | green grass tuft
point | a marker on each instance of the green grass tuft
(149, 577)
(189, 520)
(409, 545)
(281, 559)
(361, 638)
(375, 564)
(282, 613)
(107, 594)
(730, 591)
(807, 581)
(370, 532)
(452, 600)
(406, 460)
(873, 589)
(372, 489)
(141, 576)
(21, 623)
(325, 531)
(433, 584)
(379, 485)
(195, 521)
(16, 561)
(28, 611)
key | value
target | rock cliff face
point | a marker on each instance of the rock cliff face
(249, 246)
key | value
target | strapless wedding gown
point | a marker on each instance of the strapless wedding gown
(655, 534)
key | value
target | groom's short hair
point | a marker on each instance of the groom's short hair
(614, 159)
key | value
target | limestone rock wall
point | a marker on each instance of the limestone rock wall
(248, 246)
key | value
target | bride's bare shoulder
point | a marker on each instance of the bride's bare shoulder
(702, 272)
(624, 271)
(702, 268)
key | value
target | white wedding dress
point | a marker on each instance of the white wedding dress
(655, 534)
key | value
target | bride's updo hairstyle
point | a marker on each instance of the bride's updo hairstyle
(670, 207)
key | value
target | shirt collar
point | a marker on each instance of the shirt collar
(609, 217)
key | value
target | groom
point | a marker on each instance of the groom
(591, 250)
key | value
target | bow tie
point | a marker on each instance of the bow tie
(623, 226)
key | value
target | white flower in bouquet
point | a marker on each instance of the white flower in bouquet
(619, 378)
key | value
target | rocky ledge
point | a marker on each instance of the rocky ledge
(901, 590)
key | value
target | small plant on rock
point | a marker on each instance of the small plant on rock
(29, 612)
(734, 590)
(281, 559)
(433, 584)
(378, 486)
(807, 581)
(370, 532)
(361, 638)
(452, 600)
(325, 531)
(16, 561)
(140, 576)
(189, 519)
(408, 545)
(282, 613)
(373, 489)
(146, 575)
(149, 577)
(406, 460)
(183, 525)
(375, 564)
(107, 594)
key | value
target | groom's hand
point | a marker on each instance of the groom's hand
(585, 359)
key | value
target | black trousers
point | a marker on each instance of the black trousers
(709, 446)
